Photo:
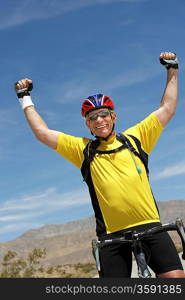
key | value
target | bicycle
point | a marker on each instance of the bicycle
(135, 239)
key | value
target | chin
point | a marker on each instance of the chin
(102, 135)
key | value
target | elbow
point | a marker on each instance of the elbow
(173, 112)
(40, 134)
(170, 111)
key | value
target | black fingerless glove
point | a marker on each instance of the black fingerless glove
(25, 91)
(170, 63)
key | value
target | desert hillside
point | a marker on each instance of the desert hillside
(70, 243)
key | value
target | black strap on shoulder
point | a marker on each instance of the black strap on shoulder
(91, 149)
(111, 151)
(89, 153)
(141, 153)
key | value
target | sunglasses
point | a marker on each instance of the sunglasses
(102, 114)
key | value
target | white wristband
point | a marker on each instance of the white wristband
(25, 102)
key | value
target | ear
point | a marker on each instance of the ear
(87, 122)
(114, 116)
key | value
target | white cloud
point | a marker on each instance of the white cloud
(28, 10)
(18, 226)
(18, 217)
(171, 171)
(29, 212)
(27, 202)
(41, 204)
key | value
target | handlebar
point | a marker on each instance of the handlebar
(135, 239)
(131, 236)
(177, 225)
(157, 229)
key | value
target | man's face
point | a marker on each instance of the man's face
(101, 123)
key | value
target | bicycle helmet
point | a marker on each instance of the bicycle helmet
(95, 102)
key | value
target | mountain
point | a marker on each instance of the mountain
(52, 230)
(70, 243)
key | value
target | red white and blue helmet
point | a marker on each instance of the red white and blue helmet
(95, 102)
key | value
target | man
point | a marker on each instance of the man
(116, 174)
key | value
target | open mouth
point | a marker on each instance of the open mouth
(102, 126)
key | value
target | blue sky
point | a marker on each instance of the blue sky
(72, 49)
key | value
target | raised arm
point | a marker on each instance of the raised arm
(39, 127)
(168, 103)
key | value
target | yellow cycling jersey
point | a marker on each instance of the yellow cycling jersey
(124, 196)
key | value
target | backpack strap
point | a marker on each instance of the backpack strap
(89, 153)
(91, 149)
(111, 151)
(141, 153)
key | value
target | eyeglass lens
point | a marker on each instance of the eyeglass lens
(103, 114)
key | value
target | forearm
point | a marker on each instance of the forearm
(170, 96)
(36, 123)
(40, 129)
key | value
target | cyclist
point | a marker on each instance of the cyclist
(117, 178)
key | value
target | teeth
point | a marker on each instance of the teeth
(101, 126)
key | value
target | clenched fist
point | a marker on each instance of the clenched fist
(23, 87)
(169, 60)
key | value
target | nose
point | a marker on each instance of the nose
(99, 119)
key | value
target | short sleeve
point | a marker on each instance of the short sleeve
(147, 131)
(71, 148)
